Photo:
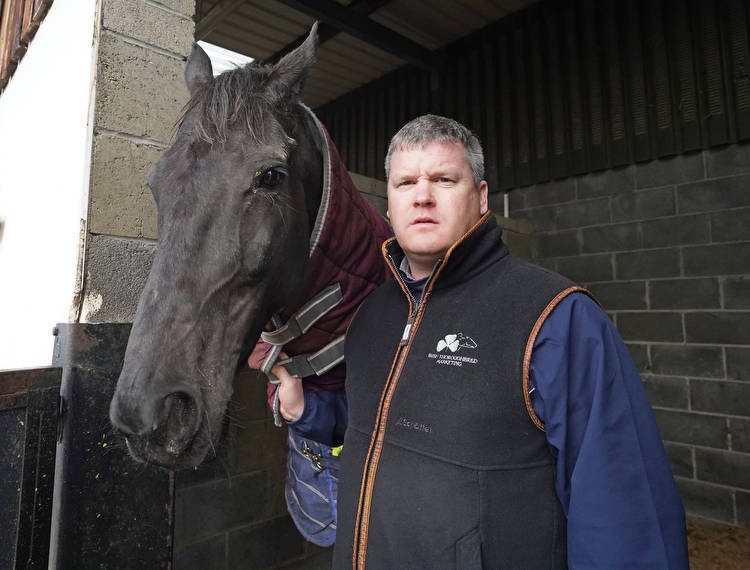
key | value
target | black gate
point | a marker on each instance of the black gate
(70, 495)
(109, 512)
(28, 430)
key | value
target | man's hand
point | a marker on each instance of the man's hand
(291, 395)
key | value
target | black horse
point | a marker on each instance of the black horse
(237, 194)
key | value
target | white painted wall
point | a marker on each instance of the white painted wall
(45, 147)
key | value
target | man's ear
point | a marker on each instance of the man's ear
(483, 190)
(198, 71)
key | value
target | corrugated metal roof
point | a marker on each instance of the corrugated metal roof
(262, 28)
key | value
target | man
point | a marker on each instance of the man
(496, 419)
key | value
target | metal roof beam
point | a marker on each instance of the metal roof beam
(326, 31)
(215, 16)
(361, 27)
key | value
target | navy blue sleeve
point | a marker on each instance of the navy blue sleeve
(323, 418)
(612, 475)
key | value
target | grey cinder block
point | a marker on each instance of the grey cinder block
(585, 268)
(726, 259)
(619, 295)
(650, 326)
(680, 459)
(713, 195)
(583, 213)
(613, 237)
(649, 263)
(700, 293)
(667, 391)
(707, 500)
(677, 230)
(643, 205)
(687, 360)
(690, 428)
(718, 327)
(723, 467)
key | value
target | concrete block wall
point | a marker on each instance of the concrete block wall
(140, 92)
(665, 247)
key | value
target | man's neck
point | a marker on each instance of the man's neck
(416, 269)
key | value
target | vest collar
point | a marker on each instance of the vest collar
(472, 253)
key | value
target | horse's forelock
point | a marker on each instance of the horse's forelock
(239, 95)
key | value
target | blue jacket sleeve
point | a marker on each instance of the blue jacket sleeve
(323, 418)
(612, 475)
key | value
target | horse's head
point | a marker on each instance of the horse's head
(236, 193)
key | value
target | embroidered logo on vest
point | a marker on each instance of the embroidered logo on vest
(451, 344)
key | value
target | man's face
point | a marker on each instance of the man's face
(432, 201)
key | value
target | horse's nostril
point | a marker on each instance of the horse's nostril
(178, 422)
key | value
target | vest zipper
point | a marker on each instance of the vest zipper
(414, 304)
(416, 309)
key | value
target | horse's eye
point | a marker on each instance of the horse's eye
(272, 178)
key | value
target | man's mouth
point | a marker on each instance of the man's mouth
(423, 220)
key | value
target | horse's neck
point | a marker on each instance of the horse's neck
(311, 142)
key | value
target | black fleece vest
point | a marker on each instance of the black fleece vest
(443, 466)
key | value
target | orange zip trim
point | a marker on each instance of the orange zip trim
(361, 529)
(530, 348)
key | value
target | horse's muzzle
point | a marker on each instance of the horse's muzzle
(164, 429)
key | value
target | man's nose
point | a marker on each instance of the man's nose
(423, 193)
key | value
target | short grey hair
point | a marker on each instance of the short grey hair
(427, 129)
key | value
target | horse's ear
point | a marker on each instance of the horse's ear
(198, 71)
(289, 74)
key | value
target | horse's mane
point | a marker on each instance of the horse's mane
(235, 95)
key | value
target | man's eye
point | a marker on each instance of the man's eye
(445, 180)
(272, 178)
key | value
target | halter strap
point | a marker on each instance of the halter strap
(302, 365)
(316, 363)
(301, 321)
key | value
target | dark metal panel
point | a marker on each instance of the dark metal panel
(351, 123)
(558, 101)
(391, 103)
(462, 90)
(373, 151)
(715, 119)
(425, 93)
(637, 99)
(402, 93)
(489, 105)
(681, 54)
(476, 89)
(539, 86)
(108, 511)
(736, 22)
(596, 131)
(618, 142)
(663, 117)
(28, 434)
(524, 128)
(381, 142)
(413, 94)
(507, 172)
(343, 142)
(11, 456)
(362, 149)
(576, 139)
